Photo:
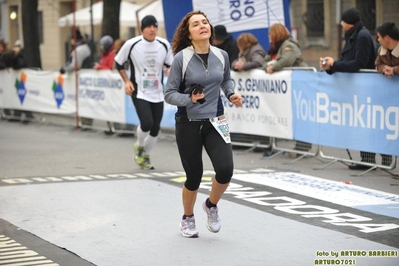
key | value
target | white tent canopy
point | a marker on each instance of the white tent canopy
(127, 14)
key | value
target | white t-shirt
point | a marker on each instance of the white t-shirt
(146, 61)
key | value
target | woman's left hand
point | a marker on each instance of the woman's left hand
(236, 99)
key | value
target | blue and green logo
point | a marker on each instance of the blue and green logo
(58, 91)
(20, 86)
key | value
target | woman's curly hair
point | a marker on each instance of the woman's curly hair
(180, 39)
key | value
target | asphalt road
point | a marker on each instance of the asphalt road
(74, 197)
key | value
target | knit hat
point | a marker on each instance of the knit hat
(390, 29)
(351, 16)
(106, 41)
(221, 33)
(148, 20)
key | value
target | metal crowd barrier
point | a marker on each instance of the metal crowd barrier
(108, 127)
(347, 157)
(67, 120)
(20, 116)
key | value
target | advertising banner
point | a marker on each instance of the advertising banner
(242, 15)
(39, 91)
(266, 107)
(238, 16)
(346, 110)
(102, 95)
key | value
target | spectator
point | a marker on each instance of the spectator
(251, 53)
(14, 58)
(357, 53)
(225, 41)
(117, 45)
(20, 61)
(284, 51)
(106, 62)
(107, 54)
(283, 48)
(387, 62)
(83, 54)
(147, 54)
(3, 48)
(83, 59)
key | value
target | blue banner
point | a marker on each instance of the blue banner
(346, 110)
(239, 16)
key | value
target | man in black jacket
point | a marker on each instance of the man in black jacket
(358, 53)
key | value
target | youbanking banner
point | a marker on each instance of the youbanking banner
(254, 16)
(346, 110)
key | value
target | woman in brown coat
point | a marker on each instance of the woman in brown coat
(251, 53)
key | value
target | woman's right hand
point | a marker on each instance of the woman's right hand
(197, 97)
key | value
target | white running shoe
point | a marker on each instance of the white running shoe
(188, 228)
(213, 223)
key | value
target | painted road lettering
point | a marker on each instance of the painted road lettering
(299, 207)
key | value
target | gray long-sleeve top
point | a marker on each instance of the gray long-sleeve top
(213, 75)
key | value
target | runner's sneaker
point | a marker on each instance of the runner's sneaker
(146, 164)
(136, 149)
(138, 154)
(187, 227)
(213, 223)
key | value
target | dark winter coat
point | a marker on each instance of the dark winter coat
(358, 52)
(230, 46)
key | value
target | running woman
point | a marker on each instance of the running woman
(198, 74)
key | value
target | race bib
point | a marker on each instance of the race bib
(150, 81)
(222, 127)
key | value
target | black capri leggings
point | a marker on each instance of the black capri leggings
(191, 137)
(150, 115)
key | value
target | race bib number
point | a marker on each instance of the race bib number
(222, 127)
(150, 81)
